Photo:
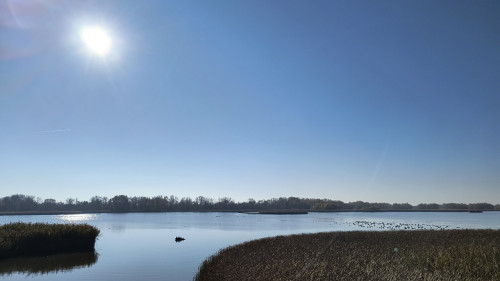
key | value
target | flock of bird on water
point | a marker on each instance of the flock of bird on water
(398, 226)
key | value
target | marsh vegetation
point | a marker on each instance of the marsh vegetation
(25, 239)
(358, 255)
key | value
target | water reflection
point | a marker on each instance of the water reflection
(77, 217)
(48, 264)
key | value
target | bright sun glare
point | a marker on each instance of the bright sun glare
(96, 39)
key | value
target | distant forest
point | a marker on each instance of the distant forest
(123, 203)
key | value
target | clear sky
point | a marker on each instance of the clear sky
(380, 101)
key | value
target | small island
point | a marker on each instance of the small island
(284, 212)
(36, 239)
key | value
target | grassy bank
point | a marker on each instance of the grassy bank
(21, 239)
(387, 255)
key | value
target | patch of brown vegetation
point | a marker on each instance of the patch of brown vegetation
(387, 255)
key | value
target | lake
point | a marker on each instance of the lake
(141, 246)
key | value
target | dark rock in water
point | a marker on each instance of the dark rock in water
(179, 239)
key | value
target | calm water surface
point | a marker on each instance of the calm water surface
(141, 246)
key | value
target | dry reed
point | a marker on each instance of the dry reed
(386, 255)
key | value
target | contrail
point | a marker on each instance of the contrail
(55, 131)
(379, 165)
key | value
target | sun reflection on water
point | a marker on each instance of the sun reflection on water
(77, 217)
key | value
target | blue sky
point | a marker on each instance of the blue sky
(393, 101)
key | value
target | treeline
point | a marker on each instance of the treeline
(123, 203)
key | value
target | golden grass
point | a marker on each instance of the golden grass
(387, 255)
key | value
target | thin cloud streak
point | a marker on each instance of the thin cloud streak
(55, 131)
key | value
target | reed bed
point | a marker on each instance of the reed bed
(20, 239)
(386, 255)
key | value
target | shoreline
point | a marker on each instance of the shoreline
(261, 212)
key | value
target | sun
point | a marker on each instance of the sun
(96, 39)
